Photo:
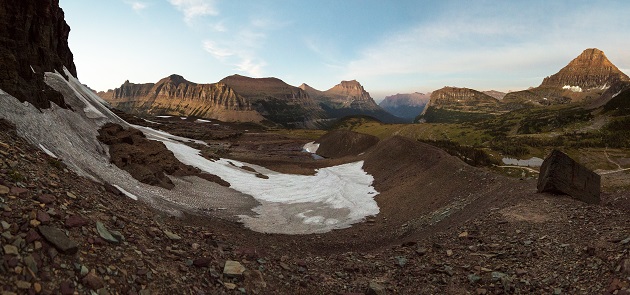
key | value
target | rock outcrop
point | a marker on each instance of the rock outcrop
(561, 174)
(463, 99)
(407, 105)
(33, 40)
(589, 70)
(341, 143)
(174, 95)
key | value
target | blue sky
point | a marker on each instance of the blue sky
(389, 46)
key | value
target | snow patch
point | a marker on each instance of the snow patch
(164, 117)
(202, 121)
(128, 194)
(48, 152)
(573, 88)
(531, 162)
(345, 186)
(311, 147)
(151, 121)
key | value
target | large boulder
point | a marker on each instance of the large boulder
(341, 143)
(561, 174)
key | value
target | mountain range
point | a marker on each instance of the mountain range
(246, 99)
(590, 80)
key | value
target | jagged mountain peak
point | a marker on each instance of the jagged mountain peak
(591, 69)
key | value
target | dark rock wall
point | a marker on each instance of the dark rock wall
(33, 33)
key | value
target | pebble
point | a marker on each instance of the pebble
(59, 239)
(104, 233)
(46, 198)
(374, 288)
(171, 235)
(4, 190)
(23, 285)
(229, 286)
(10, 250)
(233, 269)
(76, 221)
(71, 195)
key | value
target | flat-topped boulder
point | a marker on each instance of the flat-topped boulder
(561, 174)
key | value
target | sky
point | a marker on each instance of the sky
(390, 47)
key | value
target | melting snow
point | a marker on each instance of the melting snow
(165, 117)
(47, 151)
(311, 147)
(573, 88)
(202, 121)
(532, 162)
(128, 194)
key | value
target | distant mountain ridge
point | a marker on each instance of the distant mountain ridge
(406, 105)
(241, 98)
(175, 95)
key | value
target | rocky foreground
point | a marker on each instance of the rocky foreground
(62, 234)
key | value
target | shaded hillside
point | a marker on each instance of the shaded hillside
(341, 143)
(33, 40)
(407, 106)
(349, 98)
(453, 104)
(174, 95)
(277, 100)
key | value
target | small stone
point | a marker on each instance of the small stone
(449, 253)
(59, 239)
(496, 276)
(5, 225)
(482, 291)
(93, 281)
(84, 271)
(31, 264)
(35, 223)
(625, 266)
(10, 250)
(37, 287)
(4, 190)
(71, 195)
(375, 288)
(43, 217)
(23, 285)
(463, 234)
(171, 235)
(76, 221)
(520, 271)
(18, 191)
(233, 269)
(401, 261)
(46, 198)
(229, 286)
(625, 241)
(421, 251)
(104, 233)
(473, 278)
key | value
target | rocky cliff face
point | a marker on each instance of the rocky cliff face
(589, 70)
(407, 106)
(174, 95)
(33, 40)
(463, 99)
(349, 94)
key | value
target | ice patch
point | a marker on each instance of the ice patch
(47, 151)
(151, 121)
(311, 147)
(345, 186)
(531, 162)
(573, 88)
(128, 194)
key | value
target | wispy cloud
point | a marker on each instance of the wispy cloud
(193, 9)
(241, 46)
(137, 6)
